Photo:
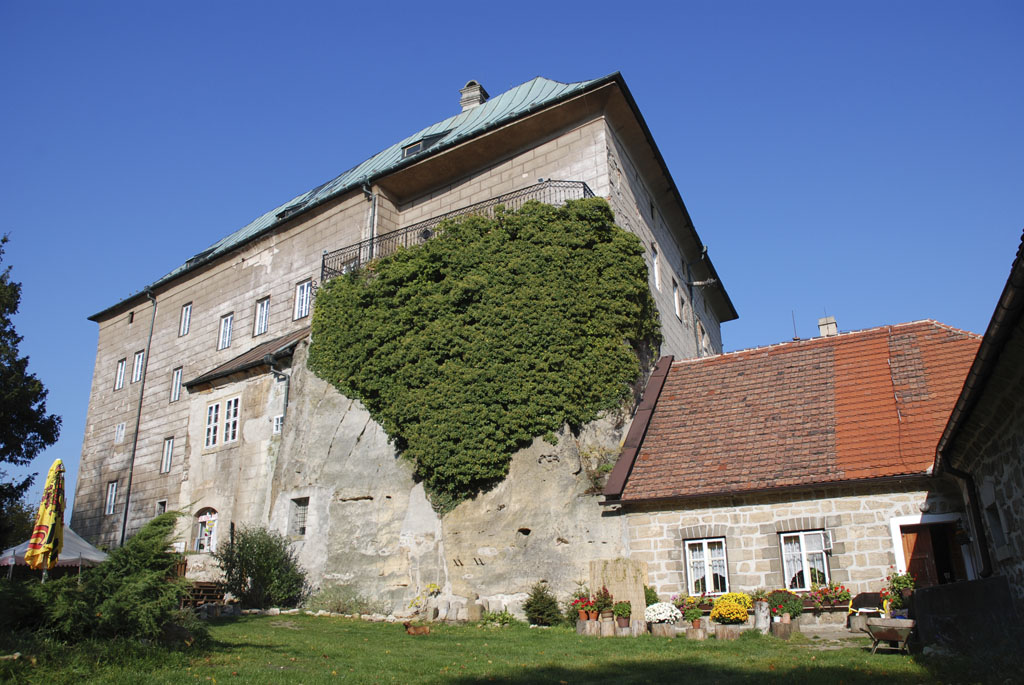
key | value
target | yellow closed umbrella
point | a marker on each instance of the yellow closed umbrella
(48, 534)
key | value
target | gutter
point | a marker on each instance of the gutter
(138, 417)
(757, 491)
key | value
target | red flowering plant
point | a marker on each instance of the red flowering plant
(582, 604)
(896, 583)
(828, 595)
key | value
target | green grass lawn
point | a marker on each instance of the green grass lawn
(305, 649)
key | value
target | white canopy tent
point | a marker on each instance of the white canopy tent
(76, 552)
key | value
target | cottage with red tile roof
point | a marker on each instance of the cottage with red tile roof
(803, 462)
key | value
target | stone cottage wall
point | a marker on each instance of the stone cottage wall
(857, 516)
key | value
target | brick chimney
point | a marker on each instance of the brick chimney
(473, 95)
(827, 326)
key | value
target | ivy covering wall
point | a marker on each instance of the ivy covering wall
(492, 333)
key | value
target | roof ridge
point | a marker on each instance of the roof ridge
(826, 339)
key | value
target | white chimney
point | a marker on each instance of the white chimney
(827, 326)
(473, 95)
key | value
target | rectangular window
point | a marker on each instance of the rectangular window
(278, 424)
(706, 568)
(119, 433)
(300, 508)
(161, 506)
(231, 420)
(137, 366)
(212, 425)
(226, 321)
(108, 508)
(803, 559)
(165, 462)
(262, 319)
(119, 378)
(186, 319)
(675, 299)
(176, 384)
(303, 296)
(655, 267)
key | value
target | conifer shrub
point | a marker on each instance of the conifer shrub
(541, 607)
(261, 570)
(650, 595)
(493, 333)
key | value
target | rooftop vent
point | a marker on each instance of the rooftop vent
(473, 95)
(827, 326)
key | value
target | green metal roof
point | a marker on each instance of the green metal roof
(498, 110)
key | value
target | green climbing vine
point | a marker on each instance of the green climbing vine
(495, 332)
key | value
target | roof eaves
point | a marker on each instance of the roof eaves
(1008, 312)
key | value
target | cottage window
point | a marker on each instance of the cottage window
(204, 538)
(165, 461)
(212, 424)
(303, 296)
(226, 321)
(119, 377)
(108, 507)
(119, 433)
(186, 319)
(707, 571)
(176, 384)
(262, 319)
(161, 506)
(300, 508)
(231, 420)
(675, 300)
(803, 559)
(137, 366)
(278, 424)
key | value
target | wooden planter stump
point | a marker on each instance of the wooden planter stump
(696, 634)
(728, 632)
(783, 631)
(663, 630)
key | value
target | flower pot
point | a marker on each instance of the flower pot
(583, 614)
(592, 615)
(607, 613)
(622, 621)
(695, 623)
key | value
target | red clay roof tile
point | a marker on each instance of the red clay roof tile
(865, 404)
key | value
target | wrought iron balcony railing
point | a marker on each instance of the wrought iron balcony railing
(355, 256)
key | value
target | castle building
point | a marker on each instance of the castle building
(194, 387)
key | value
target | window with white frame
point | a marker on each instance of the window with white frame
(176, 384)
(675, 299)
(231, 420)
(262, 319)
(165, 461)
(803, 559)
(224, 340)
(303, 297)
(108, 507)
(119, 433)
(186, 319)
(204, 538)
(706, 567)
(278, 424)
(119, 377)
(300, 509)
(212, 425)
(137, 366)
(655, 267)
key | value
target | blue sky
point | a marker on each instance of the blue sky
(860, 159)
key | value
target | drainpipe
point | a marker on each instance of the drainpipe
(138, 416)
(281, 376)
(372, 199)
(975, 513)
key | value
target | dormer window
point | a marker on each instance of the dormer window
(421, 144)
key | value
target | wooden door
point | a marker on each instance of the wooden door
(919, 554)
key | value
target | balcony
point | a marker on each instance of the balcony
(359, 254)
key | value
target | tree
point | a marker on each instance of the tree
(25, 427)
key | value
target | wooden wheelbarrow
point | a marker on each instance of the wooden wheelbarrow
(892, 629)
